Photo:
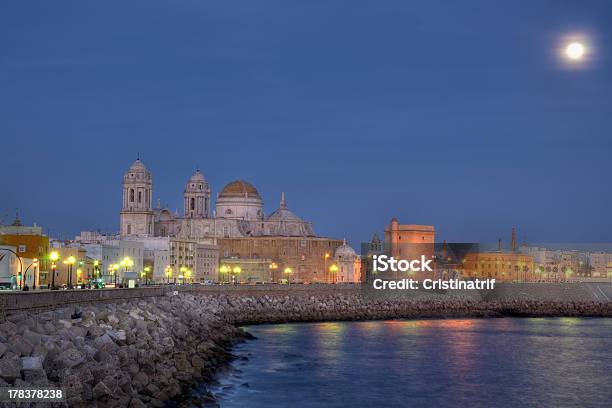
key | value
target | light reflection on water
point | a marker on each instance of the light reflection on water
(540, 362)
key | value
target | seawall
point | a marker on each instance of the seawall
(142, 347)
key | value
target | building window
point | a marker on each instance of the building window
(129, 229)
(192, 203)
(131, 195)
(140, 196)
(22, 248)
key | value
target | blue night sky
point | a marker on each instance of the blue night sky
(460, 114)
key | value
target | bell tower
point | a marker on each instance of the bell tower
(136, 210)
(196, 197)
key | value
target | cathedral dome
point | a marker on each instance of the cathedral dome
(240, 200)
(283, 213)
(345, 252)
(239, 188)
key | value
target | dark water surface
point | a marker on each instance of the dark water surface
(510, 362)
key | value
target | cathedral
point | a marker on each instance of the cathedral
(237, 233)
(238, 211)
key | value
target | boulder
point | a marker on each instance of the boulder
(117, 335)
(101, 390)
(140, 380)
(10, 368)
(70, 358)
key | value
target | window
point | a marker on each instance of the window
(192, 205)
(129, 229)
(228, 211)
(140, 196)
(131, 195)
(22, 248)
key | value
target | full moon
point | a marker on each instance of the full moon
(575, 51)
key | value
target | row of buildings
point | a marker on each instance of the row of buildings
(231, 239)
(235, 242)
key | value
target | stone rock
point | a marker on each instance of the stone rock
(103, 341)
(117, 335)
(21, 346)
(32, 363)
(3, 349)
(64, 323)
(101, 390)
(71, 358)
(32, 337)
(35, 377)
(10, 368)
(77, 331)
(140, 380)
(137, 403)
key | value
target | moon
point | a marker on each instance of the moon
(575, 51)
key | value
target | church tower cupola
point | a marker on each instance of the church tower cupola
(197, 197)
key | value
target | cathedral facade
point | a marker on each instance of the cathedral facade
(238, 211)
(278, 246)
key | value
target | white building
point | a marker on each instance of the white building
(348, 264)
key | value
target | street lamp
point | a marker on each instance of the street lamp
(35, 270)
(183, 269)
(224, 270)
(146, 274)
(235, 272)
(112, 270)
(273, 267)
(168, 273)
(126, 262)
(96, 265)
(325, 257)
(70, 261)
(187, 275)
(288, 271)
(54, 257)
(25, 275)
(333, 269)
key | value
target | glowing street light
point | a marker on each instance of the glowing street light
(54, 257)
(25, 275)
(184, 271)
(112, 270)
(224, 270)
(168, 273)
(96, 265)
(236, 271)
(333, 269)
(288, 271)
(71, 260)
(145, 272)
(127, 262)
(273, 267)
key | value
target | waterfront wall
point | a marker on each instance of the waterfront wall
(11, 302)
(123, 348)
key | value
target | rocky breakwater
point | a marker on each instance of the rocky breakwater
(133, 354)
(306, 307)
(145, 352)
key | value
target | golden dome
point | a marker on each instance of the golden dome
(239, 188)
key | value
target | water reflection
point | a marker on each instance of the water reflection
(441, 363)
